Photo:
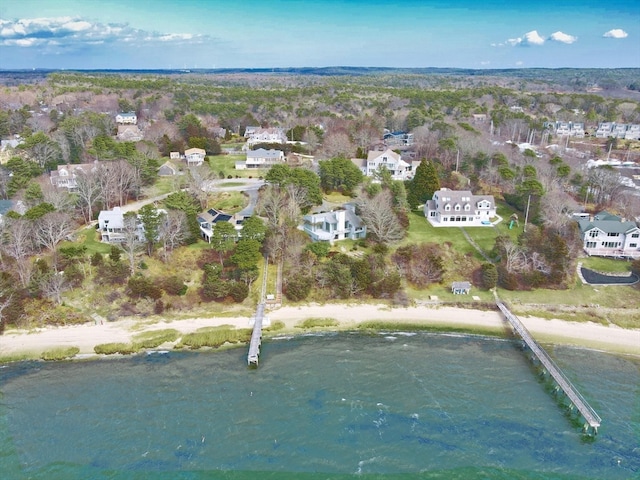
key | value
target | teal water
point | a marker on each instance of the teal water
(333, 406)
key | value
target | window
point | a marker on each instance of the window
(611, 244)
(447, 207)
(591, 244)
(635, 235)
(612, 234)
(432, 214)
(467, 207)
(593, 233)
(633, 245)
(457, 208)
(444, 219)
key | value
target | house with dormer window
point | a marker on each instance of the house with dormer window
(460, 208)
(607, 235)
(389, 160)
(65, 176)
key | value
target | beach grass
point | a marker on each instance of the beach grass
(276, 326)
(386, 326)
(214, 337)
(316, 322)
(18, 357)
(155, 338)
(61, 353)
(113, 348)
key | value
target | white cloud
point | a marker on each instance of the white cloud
(69, 32)
(616, 33)
(533, 38)
(519, 63)
(529, 38)
(563, 37)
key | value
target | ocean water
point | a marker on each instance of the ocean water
(343, 405)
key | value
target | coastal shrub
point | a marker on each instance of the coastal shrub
(318, 322)
(298, 287)
(635, 267)
(489, 275)
(275, 326)
(155, 338)
(61, 353)
(158, 307)
(113, 348)
(96, 259)
(215, 337)
(143, 287)
(174, 285)
(238, 291)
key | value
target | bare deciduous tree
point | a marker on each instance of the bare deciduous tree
(53, 286)
(380, 218)
(17, 243)
(200, 184)
(131, 239)
(173, 231)
(88, 191)
(51, 229)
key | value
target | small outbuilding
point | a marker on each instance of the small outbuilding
(460, 288)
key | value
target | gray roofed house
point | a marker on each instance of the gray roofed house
(335, 225)
(208, 219)
(261, 158)
(607, 235)
(460, 208)
(460, 288)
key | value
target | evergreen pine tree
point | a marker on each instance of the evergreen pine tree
(424, 184)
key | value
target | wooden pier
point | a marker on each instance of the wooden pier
(256, 337)
(577, 401)
(256, 334)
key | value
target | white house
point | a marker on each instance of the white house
(65, 176)
(127, 118)
(335, 225)
(392, 161)
(255, 135)
(111, 226)
(194, 156)
(261, 158)
(460, 208)
(606, 235)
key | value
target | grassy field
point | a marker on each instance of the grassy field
(224, 166)
(607, 265)
(228, 202)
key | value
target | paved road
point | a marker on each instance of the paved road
(250, 186)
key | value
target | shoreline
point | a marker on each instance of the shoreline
(16, 344)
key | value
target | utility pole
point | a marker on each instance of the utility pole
(526, 216)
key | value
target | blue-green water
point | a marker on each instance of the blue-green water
(334, 406)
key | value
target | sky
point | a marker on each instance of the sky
(189, 34)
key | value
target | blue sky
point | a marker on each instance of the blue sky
(142, 34)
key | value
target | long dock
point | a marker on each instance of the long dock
(256, 334)
(588, 413)
(256, 337)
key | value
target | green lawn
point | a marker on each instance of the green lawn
(224, 165)
(228, 202)
(90, 238)
(602, 264)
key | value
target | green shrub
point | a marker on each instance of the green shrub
(155, 338)
(318, 322)
(215, 337)
(61, 353)
(174, 285)
(112, 348)
(275, 326)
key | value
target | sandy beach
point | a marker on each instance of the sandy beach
(607, 338)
